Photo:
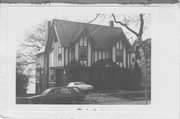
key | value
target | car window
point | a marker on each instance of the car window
(76, 90)
(78, 83)
(50, 93)
(46, 91)
(65, 91)
(57, 92)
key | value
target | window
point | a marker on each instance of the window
(76, 90)
(57, 92)
(59, 53)
(60, 56)
(82, 53)
(79, 83)
(46, 91)
(72, 53)
(65, 91)
(119, 55)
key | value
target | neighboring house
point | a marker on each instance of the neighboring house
(39, 70)
(103, 51)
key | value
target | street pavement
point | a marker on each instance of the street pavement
(118, 97)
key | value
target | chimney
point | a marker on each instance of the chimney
(111, 23)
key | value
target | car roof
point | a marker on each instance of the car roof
(61, 87)
(77, 82)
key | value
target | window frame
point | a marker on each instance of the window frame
(120, 60)
(59, 53)
(80, 52)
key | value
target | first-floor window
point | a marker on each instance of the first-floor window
(82, 53)
(119, 55)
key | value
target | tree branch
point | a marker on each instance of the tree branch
(36, 47)
(94, 18)
(127, 27)
(141, 26)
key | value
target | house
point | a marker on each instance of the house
(39, 70)
(103, 53)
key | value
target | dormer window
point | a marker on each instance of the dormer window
(119, 55)
(82, 53)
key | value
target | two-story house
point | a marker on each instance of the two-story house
(103, 50)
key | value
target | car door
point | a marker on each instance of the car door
(49, 97)
(55, 96)
(59, 96)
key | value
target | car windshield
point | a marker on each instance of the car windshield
(46, 91)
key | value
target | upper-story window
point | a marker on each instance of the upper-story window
(82, 53)
(119, 55)
(59, 53)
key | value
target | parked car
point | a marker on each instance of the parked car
(83, 86)
(59, 95)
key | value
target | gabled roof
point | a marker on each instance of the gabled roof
(104, 36)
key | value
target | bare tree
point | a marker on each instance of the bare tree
(141, 21)
(32, 44)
